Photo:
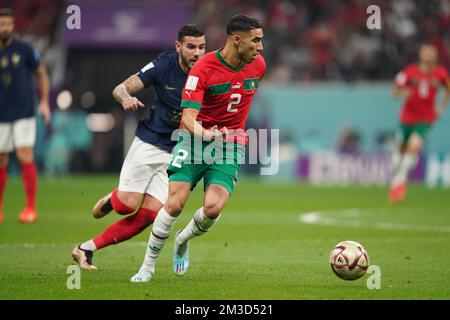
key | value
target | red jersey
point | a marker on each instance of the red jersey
(419, 106)
(222, 93)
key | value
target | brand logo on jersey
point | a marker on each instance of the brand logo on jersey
(4, 62)
(188, 93)
(237, 85)
(147, 67)
(15, 58)
(191, 83)
(170, 88)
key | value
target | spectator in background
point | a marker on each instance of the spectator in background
(310, 40)
(69, 135)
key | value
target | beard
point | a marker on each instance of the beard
(185, 62)
(5, 37)
(246, 58)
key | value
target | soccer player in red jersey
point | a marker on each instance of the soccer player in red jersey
(418, 84)
(18, 63)
(143, 182)
(216, 102)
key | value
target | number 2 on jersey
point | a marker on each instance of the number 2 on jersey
(182, 155)
(235, 99)
(424, 89)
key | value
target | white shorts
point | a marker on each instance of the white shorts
(144, 170)
(17, 134)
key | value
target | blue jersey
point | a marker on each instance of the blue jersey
(168, 79)
(17, 61)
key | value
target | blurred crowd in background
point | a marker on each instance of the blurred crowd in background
(305, 40)
(313, 40)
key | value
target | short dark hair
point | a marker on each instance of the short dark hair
(190, 30)
(242, 22)
(6, 12)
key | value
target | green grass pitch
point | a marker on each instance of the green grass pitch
(260, 249)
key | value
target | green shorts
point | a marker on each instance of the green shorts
(215, 162)
(422, 129)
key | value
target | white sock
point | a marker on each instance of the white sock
(198, 225)
(395, 161)
(409, 161)
(162, 228)
(88, 245)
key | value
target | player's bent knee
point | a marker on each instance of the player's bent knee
(25, 155)
(174, 207)
(414, 144)
(414, 148)
(151, 203)
(212, 209)
(130, 199)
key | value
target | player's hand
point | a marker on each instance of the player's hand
(214, 133)
(44, 110)
(402, 93)
(132, 103)
(224, 132)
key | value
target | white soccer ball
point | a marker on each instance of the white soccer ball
(349, 260)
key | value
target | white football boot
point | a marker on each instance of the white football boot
(141, 276)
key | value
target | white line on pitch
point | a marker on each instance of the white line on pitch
(62, 244)
(319, 218)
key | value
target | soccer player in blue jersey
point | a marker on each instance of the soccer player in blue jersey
(18, 63)
(143, 183)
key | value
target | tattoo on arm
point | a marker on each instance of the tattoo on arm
(128, 88)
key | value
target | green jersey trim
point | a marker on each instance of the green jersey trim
(226, 63)
(251, 84)
(191, 104)
(220, 88)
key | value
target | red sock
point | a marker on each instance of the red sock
(29, 178)
(3, 180)
(119, 206)
(126, 228)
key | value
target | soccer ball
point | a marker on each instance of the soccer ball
(349, 260)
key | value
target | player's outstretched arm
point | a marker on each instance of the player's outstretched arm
(124, 91)
(190, 123)
(400, 93)
(43, 85)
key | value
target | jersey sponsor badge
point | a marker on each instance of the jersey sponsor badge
(15, 58)
(191, 83)
(4, 62)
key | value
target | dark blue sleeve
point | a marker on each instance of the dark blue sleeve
(33, 58)
(150, 73)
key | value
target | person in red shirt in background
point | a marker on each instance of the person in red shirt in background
(418, 84)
